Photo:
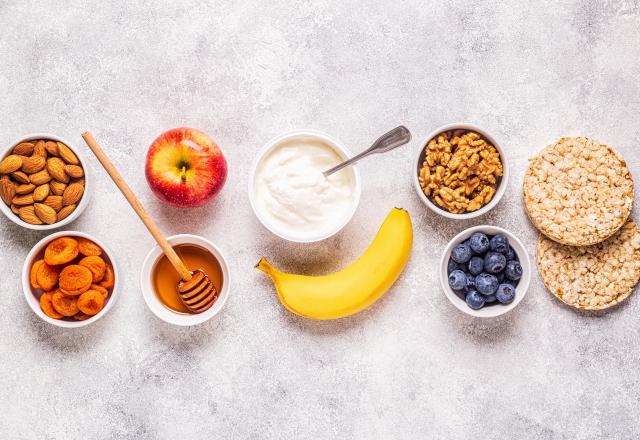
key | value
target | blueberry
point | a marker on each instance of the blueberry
(511, 254)
(479, 242)
(475, 265)
(457, 280)
(486, 283)
(513, 270)
(500, 276)
(451, 266)
(505, 293)
(494, 262)
(475, 300)
(499, 243)
(461, 253)
(513, 283)
(471, 283)
(490, 298)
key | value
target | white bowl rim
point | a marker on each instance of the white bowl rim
(33, 301)
(159, 309)
(521, 288)
(499, 192)
(86, 196)
(338, 146)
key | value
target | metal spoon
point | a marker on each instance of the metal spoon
(387, 142)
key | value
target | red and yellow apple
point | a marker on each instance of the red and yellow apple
(185, 167)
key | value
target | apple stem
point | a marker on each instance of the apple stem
(184, 173)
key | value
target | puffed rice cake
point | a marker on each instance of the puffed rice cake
(591, 277)
(578, 191)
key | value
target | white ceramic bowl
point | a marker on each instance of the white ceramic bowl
(338, 147)
(29, 293)
(497, 309)
(159, 309)
(84, 201)
(502, 182)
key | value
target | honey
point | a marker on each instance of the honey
(165, 278)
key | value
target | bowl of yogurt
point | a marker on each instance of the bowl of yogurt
(290, 195)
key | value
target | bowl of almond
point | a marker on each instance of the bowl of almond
(70, 279)
(44, 182)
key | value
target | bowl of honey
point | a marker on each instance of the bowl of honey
(159, 279)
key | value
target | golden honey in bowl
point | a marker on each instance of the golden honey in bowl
(165, 278)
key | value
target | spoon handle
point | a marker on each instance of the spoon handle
(128, 194)
(387, 142)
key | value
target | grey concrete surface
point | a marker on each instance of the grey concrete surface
(409, 367)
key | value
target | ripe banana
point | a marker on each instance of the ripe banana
(357, 286)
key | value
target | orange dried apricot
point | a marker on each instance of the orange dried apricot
(75, 278)
(91, 302)
(81, 316)
(47, 306)
(61, 251)
(47, 276)
(109, 279)
(102, 290)
(33, 273)
(96, 265)
(88, 248)
(65, 305)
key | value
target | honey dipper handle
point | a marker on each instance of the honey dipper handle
(174, 259)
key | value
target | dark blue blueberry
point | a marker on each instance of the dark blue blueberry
(499, 243)
(490, 298)
(500, 276)
(486, 283)
(457, 280)
(513, 283)
(505, 293)
(479, 242)
(511, 254)
(494, 262)
(451, 266)
(475, 300)
(471, 283)
(475, 265)
(461, 253)
(513, 271)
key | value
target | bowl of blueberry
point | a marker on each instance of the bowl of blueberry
(485, 271)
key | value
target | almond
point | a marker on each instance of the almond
(25, 188)
(68, 155)
(40, 177)
(51, 147)
(23, 149)
(20, 177)
(40, 150)
(45, 213)
(23, 200)
(74, 171)
(57, 187)
(28, 214)
(65, 212)
(41, 193)
(7, 190)
(54, 202)
(72, 194)
(15, 209)
(33, 164)
(55, 166)
(11, 163)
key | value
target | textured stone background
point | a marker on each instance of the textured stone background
(411, 366)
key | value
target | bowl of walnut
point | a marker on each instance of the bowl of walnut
(44, 182)
(460, 171)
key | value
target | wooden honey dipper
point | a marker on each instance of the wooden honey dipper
(195, 289)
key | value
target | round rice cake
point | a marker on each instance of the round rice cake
(591, 277)
(578, 191)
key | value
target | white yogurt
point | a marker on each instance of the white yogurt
(295, 198)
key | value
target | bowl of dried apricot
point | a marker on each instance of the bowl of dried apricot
(460, 171)
(43, 182)
(70, 280)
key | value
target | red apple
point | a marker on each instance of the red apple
(185, 168)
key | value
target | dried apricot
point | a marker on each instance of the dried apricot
(81, 316)
(109, 279)
(61, 251)
(91, 302)
(33, 273)
(88, 248)
(96, 265)
(102, 290)
(47, 306)
(47, 276)
(65, 305)
(75, 278)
